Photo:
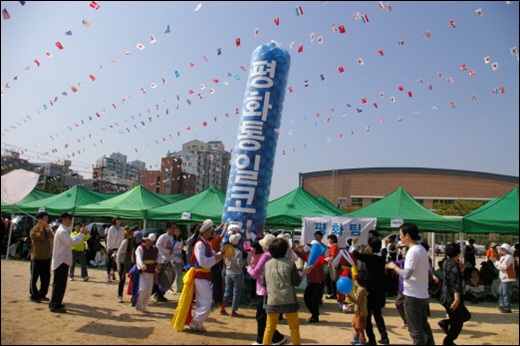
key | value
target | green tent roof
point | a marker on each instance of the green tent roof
(400, 205)
(329, 204)
(499, 215)
(288, 210)
(133, 204)
(68, 200)
(208, 204)
(34, 195)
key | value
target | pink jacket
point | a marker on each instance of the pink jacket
(257, 270)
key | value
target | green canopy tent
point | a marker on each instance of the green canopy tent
(207, 204)
(499, 215)
(34, 195)
(288, 210)
(68, 200)
(172, 198)
(328, 203)
(399, 205)
(133, 204)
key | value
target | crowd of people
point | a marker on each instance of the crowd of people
(226, 267)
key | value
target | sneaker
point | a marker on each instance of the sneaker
(224, 312)
(119, 299)
(354, 340)
(506, 311)
(383, 341)
(85, 278)
(313, 320)
(59, 310)
(35, 300)
(282, 342)
(332, 296)
(44, 299)
(108, 279)
(161, 299)
(361, 343)
(403, 326)
(71, 279)
(256, 343)
(236, 314)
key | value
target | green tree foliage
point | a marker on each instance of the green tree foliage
(458, 208)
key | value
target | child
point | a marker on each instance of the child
(234, 278)
(360, 310)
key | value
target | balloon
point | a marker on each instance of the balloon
(316, 250)
(253, 157)
(344, 285)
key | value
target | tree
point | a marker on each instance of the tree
(458, 208)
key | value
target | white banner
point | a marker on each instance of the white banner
(343, 227)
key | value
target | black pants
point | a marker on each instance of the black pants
(59, 285)
(122, 276)
(455, 323)
(111, 263)
(312, 298)
(40, 269)
(332, 289)
(261, 319)
(380, 323)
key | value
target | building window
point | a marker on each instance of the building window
(343, 202)
(375, 200)
(420, 201)
(357, 202)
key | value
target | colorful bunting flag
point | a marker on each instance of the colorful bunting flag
(5, 14)
(92, 77)
(365, 18)
(167, 29)
(94, 5)
(277, 21)
(86, 23)
(341, 69)
(237, 41)
(299, 11)
(59, 45)
(342, 29)
(300, 48)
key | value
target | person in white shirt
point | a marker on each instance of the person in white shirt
(165, 257)
(115, 237)
(507, 276)
(62, 260)
(146, 260)
(415, 285)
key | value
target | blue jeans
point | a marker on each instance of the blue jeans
(504, 295)
(416, 313)
(233, 286)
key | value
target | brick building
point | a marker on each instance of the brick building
(360, 187)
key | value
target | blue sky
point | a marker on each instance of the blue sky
(452, 120)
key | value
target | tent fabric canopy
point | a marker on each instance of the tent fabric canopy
(288, 210)
(34, 195)
(401, 205)
(499, 215)
(133, 204)
(328, 203)
(207, 204)
(68, 200)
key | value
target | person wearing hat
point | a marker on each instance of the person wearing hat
(346, 265)
(507, 275)
(115, 236)
(197, 281)
(491, 251)
(62, 259)
(165, 245)
(125, 257)
(234, 277)
(256, 271)
(41, 252)
(146, 261)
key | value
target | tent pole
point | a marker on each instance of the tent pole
(9, 239)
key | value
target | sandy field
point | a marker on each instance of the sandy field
(95, 318)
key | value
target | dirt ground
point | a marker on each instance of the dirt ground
(95, 318)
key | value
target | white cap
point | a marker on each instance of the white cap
(234, 227)
(151, 237)
(234, 239)
(206, 225)
(506, 246)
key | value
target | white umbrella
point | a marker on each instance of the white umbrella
(16, 185)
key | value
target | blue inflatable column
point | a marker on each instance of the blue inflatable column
(253, 157)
